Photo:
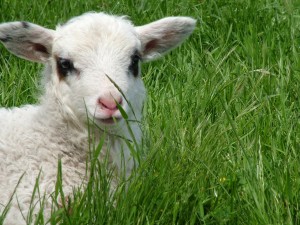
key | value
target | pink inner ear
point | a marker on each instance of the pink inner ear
(150, 46)
(169, 39)
(40, 48)
(28, 50)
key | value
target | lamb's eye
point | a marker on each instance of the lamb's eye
(64, 66)
(135, 58)
(134, 65)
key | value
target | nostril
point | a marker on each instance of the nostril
(110, 103)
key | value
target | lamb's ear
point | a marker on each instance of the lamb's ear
(27, 40)
(162, 35)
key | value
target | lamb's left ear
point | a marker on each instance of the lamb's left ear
(161, 36)
(27, 40)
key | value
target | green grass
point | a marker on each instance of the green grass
(222, 130)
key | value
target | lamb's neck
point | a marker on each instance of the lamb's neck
(60, 125)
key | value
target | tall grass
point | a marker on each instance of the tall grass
(221, 124)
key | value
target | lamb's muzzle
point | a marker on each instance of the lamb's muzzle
(108, 107)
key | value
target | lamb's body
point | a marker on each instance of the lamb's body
(36, 145)
(30, 147)
(31, 144)
(92, 69)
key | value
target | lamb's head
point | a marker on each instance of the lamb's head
(93, 61)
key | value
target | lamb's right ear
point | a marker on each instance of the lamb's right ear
(162, 35)
(27, 40)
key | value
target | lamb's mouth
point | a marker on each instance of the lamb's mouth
(110, 120)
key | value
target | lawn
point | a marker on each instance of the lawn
(221, 123)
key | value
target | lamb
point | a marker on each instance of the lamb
(91, 84)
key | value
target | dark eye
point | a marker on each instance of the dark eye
(64, 66)
(134, 65)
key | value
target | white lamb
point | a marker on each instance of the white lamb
(92, 72)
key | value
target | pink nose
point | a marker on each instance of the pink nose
(110, 103)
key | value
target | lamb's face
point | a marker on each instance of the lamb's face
(97, 63)
(95, 60)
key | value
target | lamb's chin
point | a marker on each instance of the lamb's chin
(104, 122)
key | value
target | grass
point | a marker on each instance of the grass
(221, 120)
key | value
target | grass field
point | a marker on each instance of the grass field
(222, 128)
